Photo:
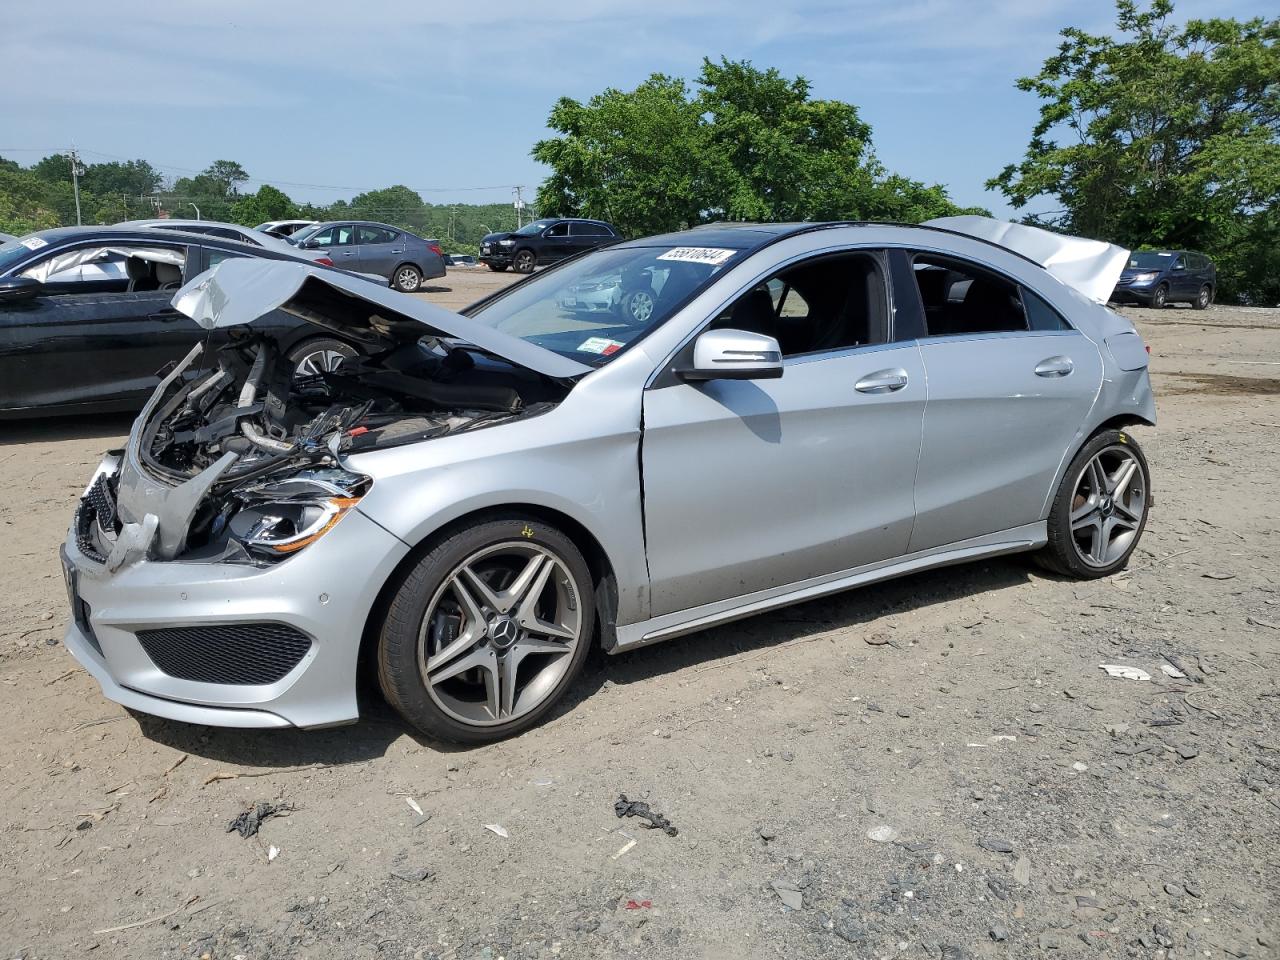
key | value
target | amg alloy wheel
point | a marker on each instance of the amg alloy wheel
(1101, 508)
(487, 631)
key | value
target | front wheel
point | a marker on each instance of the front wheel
(323, 355)
(487, 631)
(1100, 510)
(1160, 297)
(637, 306)
(407, 279)
(525, 261)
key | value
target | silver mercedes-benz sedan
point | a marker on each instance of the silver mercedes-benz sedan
(479, 497)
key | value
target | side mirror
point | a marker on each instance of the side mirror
(734, 355)
(310, 245)
(18, 289)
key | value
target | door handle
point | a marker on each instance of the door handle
(166, 316)
(398, 250)
(882, 381)
(347, 253)
(1054, 367)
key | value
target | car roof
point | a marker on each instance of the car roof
(59, 235)
(362, 223)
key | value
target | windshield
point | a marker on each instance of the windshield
(299, 236)
(537, 226)
(1150, 260)
(591, 308)
(18, 250)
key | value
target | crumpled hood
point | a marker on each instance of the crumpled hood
(241, 290)
(1090, 266)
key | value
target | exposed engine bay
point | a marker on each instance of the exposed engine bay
(273, 443)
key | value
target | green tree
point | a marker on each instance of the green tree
(22, 205)
(268, 203)
(1162, 137)
(750, 144)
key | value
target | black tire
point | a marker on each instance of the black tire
(407, 278)
(319, 351)
(637, 306)
(1203, 298)
(524, 261)
(497, 267)
(1160, 297)
(1062, 554)
(398, 664)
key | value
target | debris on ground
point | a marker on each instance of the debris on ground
(249, 820)
(497, 828)
(882, 834)
(788, 893)
(411, 874)
(1123, 672)
(638, 808)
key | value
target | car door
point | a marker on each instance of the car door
(752, 484)
(1010, 385)
(585, 236)
(381, 250)
(340, 244)
(555, 243)
(1181, 280)
(68, 347)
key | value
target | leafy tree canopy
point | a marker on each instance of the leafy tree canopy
(749, 144)
(1163, 137)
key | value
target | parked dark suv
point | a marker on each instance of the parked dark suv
(544, 241)
(1157, 277)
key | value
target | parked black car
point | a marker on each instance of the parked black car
(86, 321)
(375, 248)
(1157, 277)
(544, 241)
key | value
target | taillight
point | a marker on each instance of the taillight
(435, 248)
(323, 261)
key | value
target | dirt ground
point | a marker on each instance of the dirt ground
(931, 768)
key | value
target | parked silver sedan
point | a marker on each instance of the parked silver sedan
(471, 506)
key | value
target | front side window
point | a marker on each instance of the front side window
(595, 306)
(832, 303)
(110, 268)
(342, 235)
(559, 230)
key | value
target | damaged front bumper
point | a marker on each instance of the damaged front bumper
(225, 644)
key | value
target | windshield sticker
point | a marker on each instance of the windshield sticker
(714, 256)
(601, 345)
(34, 243)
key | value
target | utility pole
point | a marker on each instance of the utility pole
(519, 205)
(76, 171)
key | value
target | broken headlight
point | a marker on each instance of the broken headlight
(279, 518)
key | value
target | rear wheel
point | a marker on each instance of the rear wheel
(1100, 510)
(487, 631)
(1203, 298)
(525, 261)
(1160, 297)
(322, 355)
(407, 279)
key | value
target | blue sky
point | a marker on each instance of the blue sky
(448, 97)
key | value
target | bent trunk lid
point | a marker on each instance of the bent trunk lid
(241, 290)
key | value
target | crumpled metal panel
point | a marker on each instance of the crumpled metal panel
(1090, 266)
(239, 291)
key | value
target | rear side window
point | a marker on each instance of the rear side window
(589, 230)
(374, 235)
(962, 298)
